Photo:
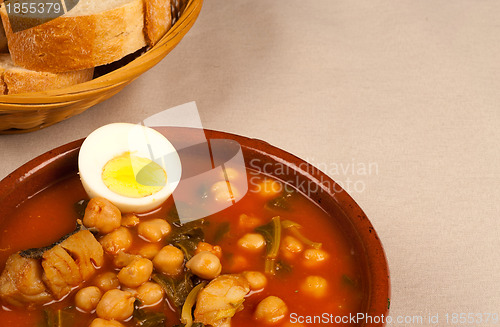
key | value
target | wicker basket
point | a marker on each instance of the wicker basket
(29, 112)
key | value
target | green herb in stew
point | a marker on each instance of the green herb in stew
(145, 318)
(272, 235)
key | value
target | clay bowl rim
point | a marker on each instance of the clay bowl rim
(62, 161)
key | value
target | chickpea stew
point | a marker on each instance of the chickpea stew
(272, 255)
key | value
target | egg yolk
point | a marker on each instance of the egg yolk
(133, 176)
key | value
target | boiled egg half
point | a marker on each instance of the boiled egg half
(133, 166)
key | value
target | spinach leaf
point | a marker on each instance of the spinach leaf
(187, 236)
(193, 229)
(283, 269)
(294, 227)
(173, 216)
(267, 231)
(221, 232)
(282, 202)
(168, 285)
(145, 318)
(177, 290)
(188, 247)
(272, 235)
(58, 318)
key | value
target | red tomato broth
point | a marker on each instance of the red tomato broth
(55, 214)
(42, 219)
(341, 300)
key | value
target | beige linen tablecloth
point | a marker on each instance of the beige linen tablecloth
(408, 88)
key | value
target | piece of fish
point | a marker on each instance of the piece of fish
(27, 280)
(21, 282)
(86, 251)
(218, 302)
(70, 263)
(61, 272)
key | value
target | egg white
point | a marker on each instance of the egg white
(110, 141)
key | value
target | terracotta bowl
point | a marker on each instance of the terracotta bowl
(62, 161)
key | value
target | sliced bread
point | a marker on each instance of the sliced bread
(93, 33)
(14, 79)
(157, 19)
(3, 38)
(3, 41)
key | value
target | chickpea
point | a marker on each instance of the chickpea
(118, 240)
(271, 310)
(116, 304)
(205, 265)
(246, 222)
(87, 298)
(269, 188)
(169, 260)
(98, 322)
(149, 250)
(217, 250)
(203, 246)
(315, 257)
(130, 220)
(136, 273)
(154, 230)
(252, 242)
(103, 215)
(149, 293)
(238, 263)
(290, 246)
(256, 279)
(107, 281)
(224, 191)
(315, 286)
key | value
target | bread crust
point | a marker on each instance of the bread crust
(14, 79)
(24, 81)
(3, 41)
(78, 42)
(157, 19)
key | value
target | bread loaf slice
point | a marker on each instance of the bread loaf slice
(3, 41)
(93, 33)
(157, 19)
(3, 38)
(14, 79)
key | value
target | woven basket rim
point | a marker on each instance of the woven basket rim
(110, 80)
